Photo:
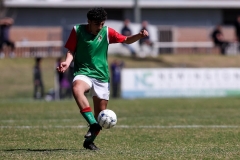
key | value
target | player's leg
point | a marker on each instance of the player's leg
(2, 55)
(114, 89)
(79, 88)
(82, 84)
(11, 45)
(99, 105)
(41, 88)
(100, 101)
(35, 90)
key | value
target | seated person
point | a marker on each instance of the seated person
(126, 31)
(218, 39)
(5, 25)
(145, 40)
(237, 31)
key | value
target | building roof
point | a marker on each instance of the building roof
(123, 3)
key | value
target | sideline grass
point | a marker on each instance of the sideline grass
(17, 74)
(196, 128)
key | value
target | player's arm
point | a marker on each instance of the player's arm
(115, 37)
(71, 46)
(136, 37)
(69, 57)
(63, 66)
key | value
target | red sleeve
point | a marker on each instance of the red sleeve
(115, 37)
(72, 41)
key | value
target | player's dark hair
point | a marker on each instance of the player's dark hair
(97, 14)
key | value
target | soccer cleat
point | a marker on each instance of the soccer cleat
(88, 134)
(90, 145)
(94, 128)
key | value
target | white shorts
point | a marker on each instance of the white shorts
(98, 88)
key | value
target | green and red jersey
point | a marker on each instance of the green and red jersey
(90, 50)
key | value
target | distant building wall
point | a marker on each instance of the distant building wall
(63, 16)
(47, 16)
(157, 12)
(183, 17)
(36, 33)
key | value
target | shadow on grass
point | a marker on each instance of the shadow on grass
(43, 150)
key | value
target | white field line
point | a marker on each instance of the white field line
(124, 126)
(48, 120)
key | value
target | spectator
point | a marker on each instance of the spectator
(70, 78)
(146, 41)
(5, 25)
(237, 31)
(59, 78)
(71, 72)
(37, 80)
(116, 68)
(218, 39)
(65, 87)
(126, 31)
(64, 82)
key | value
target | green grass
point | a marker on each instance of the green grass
(17, 77)
(205, 128)
(16, 80)
(171, 128)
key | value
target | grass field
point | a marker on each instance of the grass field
(16, 78)
(147, 129)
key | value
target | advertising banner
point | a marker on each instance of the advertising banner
(180, 82)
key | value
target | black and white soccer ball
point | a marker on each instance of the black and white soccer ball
(107, 119)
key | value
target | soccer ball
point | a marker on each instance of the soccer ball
(107, 119)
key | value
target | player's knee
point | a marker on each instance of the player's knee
(79, 88)
(76, 87)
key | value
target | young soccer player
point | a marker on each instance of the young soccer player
(88, 46)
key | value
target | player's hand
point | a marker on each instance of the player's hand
(143, 33)
(62, 67)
